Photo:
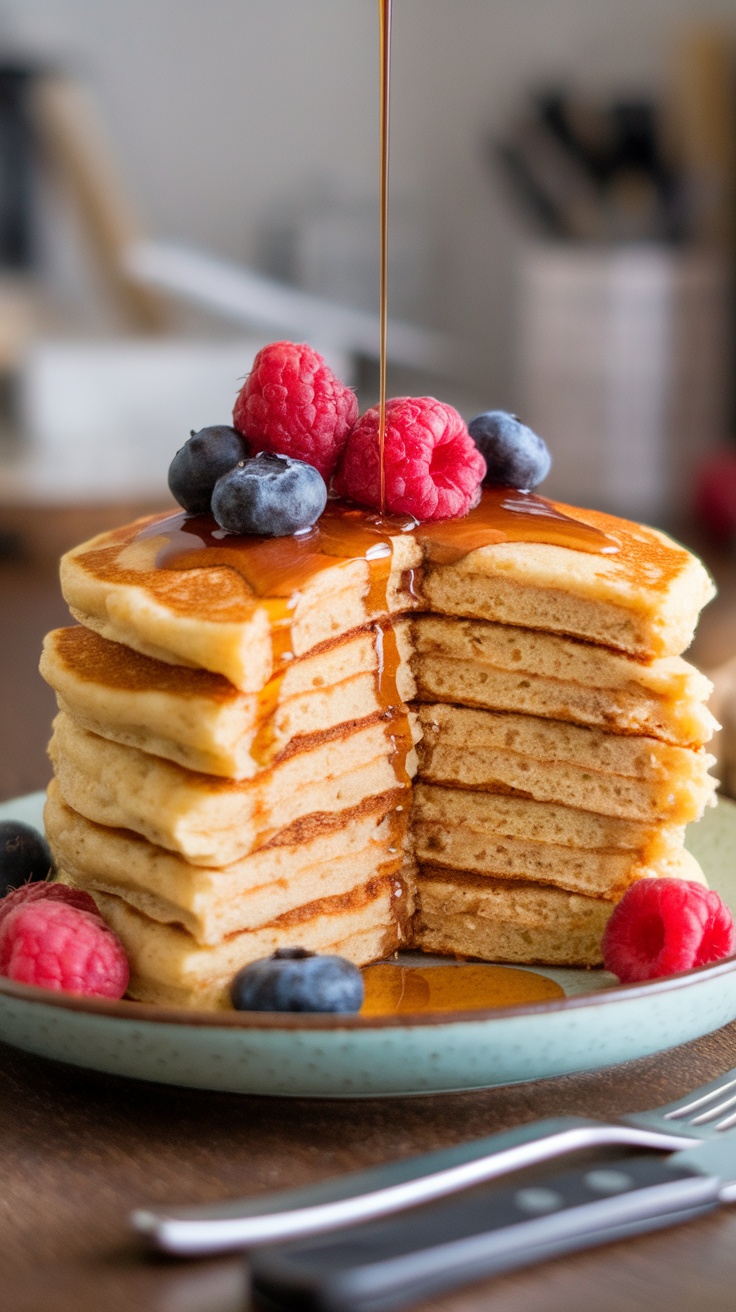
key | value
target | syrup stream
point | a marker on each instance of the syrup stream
(277, 570)
(384, 13)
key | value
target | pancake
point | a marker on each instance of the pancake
(211, 618)
(597, 874)
(628, 777)
(201, 721)
(507, 668)
(508, 920)
(542, 822)
(644, 600)
(170, 968)
(505, 920)
(213, 821)
(234, 752)
(508, 838)
(214, 903)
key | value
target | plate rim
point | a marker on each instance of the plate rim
(130, 1010)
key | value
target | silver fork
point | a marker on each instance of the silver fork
(363, 1195)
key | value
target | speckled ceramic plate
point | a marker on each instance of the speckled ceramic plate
(597, 1023)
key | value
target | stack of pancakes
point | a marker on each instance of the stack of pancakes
(222, 794)
(216, 806)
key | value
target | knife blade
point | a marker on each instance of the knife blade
(385, 1265)
(381, 1190)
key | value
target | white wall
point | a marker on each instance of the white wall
(218, 108)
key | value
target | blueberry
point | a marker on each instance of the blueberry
(515, 456)
(197, 465)
(25, 856)
(294, 979)
(271, 495)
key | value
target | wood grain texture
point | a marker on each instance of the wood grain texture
(80, 1150)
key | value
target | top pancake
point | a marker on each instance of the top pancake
(643, 600)
(209, 617)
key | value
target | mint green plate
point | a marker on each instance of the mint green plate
(598, 1023)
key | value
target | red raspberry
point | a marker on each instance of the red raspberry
(662, 926)
(433, 469)
(57, 946)
(293, 404)
(715, 495)
(73, 897)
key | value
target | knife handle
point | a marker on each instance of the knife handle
(390, 1264)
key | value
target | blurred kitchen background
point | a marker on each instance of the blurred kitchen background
(181, 182)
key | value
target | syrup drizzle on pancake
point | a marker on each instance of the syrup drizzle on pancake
(277, 569)
(398, 727)
(504, 514)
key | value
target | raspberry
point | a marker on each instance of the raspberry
(57, 946)
(293, 404)
(73, 897)
(433, 469)
(662, 926)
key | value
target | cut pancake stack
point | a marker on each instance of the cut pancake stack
(220, 800)
(217, 818)
(527, 827)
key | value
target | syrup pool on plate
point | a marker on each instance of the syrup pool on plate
(394, 989)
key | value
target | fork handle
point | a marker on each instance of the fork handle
(391, 1264)
(383, 1190)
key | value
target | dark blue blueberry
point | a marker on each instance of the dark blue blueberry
(25, 856)
(515, 456)
(270, 495)
(197, 465)
(294, 979)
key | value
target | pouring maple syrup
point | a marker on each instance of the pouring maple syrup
(277, 570)
(384, 22)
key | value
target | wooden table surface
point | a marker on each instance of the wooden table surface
(79, 1150)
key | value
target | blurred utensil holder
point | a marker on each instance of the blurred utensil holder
(624, 361)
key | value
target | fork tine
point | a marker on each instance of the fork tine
(727, 1122)
(713, 1113)
(683, 1108)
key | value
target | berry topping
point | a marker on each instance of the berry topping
(433, 469)
(292, 403)
(57, 946)
(715, 495)
(24, 855)
(271, 495)
(294, 979)
(72, 897)
(197, 465)
(662, 926)
(515, 456)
